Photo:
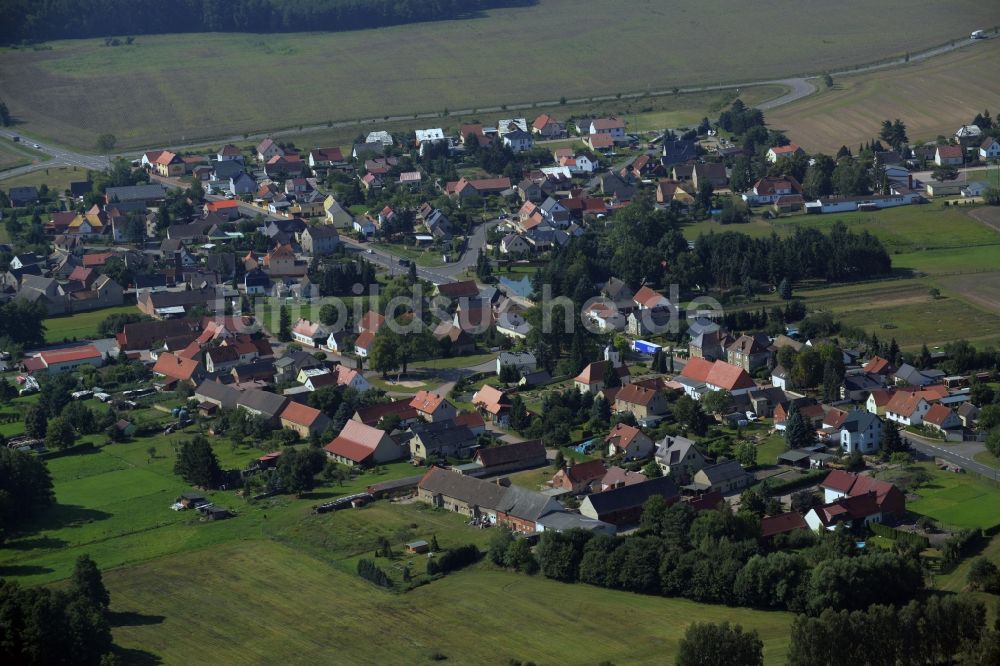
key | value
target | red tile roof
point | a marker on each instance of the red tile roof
(69, 355)
(950, 152)
(877, 365)
(622, 435)
(427, 402)
(718, 373)
(299, 414)
(937, 415)
(364, 340)
(649, 298)
(175, 367)
(636, 395)
(781, 523)
(356, 442)
(372, 414)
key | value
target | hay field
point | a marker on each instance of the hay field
(231, 604)
(177, 88)
(932, 97)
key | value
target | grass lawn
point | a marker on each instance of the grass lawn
(987, 458)
(81, 324)
(957, 500)
(533, 479)
(429, 258)
(18, 154)
(932, 97)
(174, 79)
(57, 178)
(769, 449)
(113, 502)
(252, 617)
(955, 581)
(455, 362)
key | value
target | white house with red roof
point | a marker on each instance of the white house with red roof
(613, 127)
(648, 299)
(853, 497)
(777, 152)
(701, 376)
(769, 189)
(65, 360)
(948, 156)
(359, 444)
(310, 333)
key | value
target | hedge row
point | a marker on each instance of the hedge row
(897, 535)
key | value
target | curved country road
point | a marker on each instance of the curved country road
(800, 87)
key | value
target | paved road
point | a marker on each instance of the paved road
(800, 87)
(947, 452)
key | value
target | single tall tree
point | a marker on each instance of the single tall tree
(196, 462)
(284, 324)
(88, 584)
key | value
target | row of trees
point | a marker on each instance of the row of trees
(70, 19)
(42, 625)
(716, 557)
(935, 631)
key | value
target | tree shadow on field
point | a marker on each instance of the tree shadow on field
(14, 570)
(66, 515)
(135, 657)
(39, 542)
(133, 619)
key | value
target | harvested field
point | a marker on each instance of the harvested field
(932, 97)
(173, 89)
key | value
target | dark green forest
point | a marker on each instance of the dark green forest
(70, 19)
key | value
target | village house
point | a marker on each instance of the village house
(623, 506)
(709, 344)
(262, 404)
(723, 477)
(547, 127)
(860, 431)
(778, 152)
(619, 477)
(372, 415)
(362, 445)
(628, 442)
(433, 406)
(701, 376)
(948, 156)
(304, 420)
(507, 458)
(439, 440)
(907, 408)
(310, 333)
(943, 420)
(175, 369)
(769, 189)
(749, 352)
(679, 456)
(320, 239)
(643, 403)
(576, 478)
(595, 376)
(989, 149)
(493, 403)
